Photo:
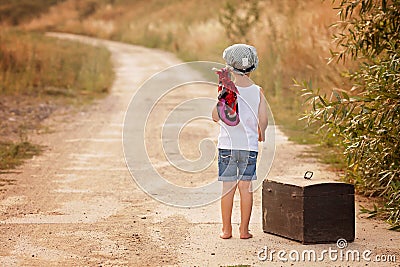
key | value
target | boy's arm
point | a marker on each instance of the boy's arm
(214, 114)
(262, 117)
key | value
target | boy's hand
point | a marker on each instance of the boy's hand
(261, 135)
(214, 114)
(262, 117)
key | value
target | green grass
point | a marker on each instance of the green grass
(14, 154)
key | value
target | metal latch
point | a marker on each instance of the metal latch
(308, 175)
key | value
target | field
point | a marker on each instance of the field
(293, 38)
(78, 203)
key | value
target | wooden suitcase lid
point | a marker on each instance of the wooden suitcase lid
(314, 187)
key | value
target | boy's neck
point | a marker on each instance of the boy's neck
(243, 80)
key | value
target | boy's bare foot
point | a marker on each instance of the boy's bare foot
(246, 235)
(225, 235)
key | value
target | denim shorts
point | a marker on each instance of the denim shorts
(236, 165)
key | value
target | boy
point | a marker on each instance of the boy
(238, 145)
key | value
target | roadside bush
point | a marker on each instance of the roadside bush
(366, 119)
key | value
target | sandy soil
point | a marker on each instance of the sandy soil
(77, 204)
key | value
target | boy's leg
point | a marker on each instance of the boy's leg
(228, 193)
(246, 204)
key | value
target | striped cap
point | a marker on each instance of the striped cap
(241, 57)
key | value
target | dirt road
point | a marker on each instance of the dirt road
(77, 204)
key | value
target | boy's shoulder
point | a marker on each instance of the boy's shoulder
(249, 86)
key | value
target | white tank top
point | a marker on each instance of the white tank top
(243, 136)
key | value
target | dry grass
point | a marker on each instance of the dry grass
(17, 11)
(13, 154)
(292, 37)
(34, 64)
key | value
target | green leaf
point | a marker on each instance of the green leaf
(395, 227)
(322, 101)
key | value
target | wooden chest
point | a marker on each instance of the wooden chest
(309, 211)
